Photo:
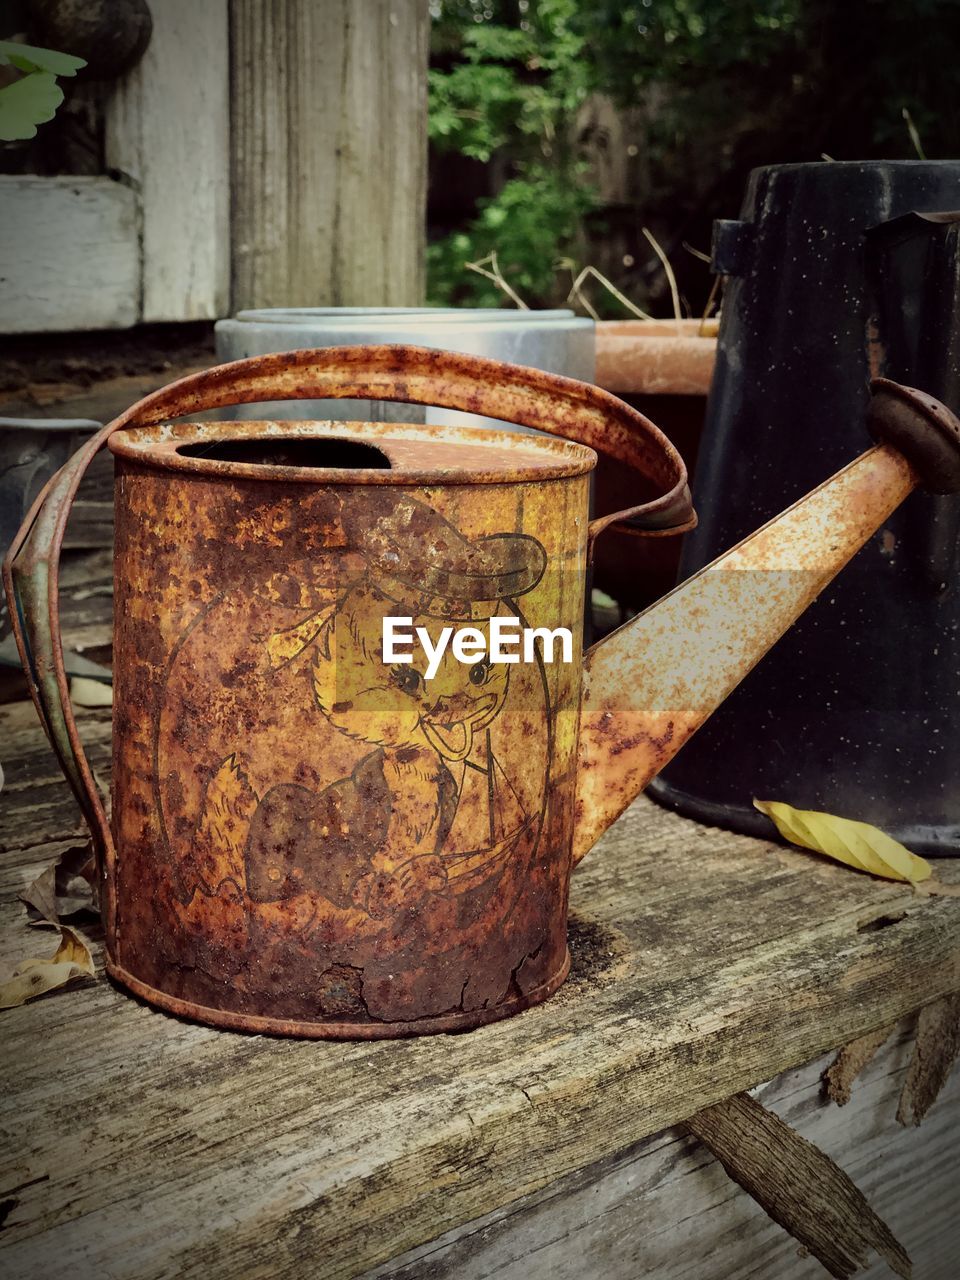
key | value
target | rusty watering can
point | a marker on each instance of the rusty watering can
(313, 836)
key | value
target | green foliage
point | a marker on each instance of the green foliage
(33, 99)
(811, 76)
(26, 57)
(682, 41)
(531, 225)
(473, 109)
(511, 86)
(26, 103)
(730, 84)
(513, 89)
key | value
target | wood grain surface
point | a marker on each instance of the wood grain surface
(168, 133)
(138, 1145)
(328, 145)
(71, 253)
(664, 1207)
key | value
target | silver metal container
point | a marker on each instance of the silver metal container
(31, 450)
(555, 341)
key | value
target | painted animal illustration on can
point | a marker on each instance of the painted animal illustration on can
(402, 791)
(388, 832)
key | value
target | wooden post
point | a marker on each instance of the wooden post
(328, 152)
(167, 125)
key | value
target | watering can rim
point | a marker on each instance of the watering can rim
(837, 166)
(532, 458)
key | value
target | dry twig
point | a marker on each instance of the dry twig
(588, 272)
(494, 273)
(671, 278)
(914, 135)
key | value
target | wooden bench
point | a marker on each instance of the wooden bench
(138, 1145)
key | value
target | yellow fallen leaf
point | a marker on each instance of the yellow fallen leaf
(857, 844)
(36, 977)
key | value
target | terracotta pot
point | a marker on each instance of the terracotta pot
(663, 368)
(656, 357)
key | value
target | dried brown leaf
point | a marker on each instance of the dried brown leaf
(66, 887)
(42, 894)
(35, 977)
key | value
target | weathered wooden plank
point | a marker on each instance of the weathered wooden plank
(91, 517)
(798, 1186)
(86, 613)
(70, 254)
(97, 482)
(328, 144)
(86, 601)
(168, 133)
(106, 400)
(665, 1208)
(35, 804)
(91, 525)
(938, 1046)
(704, 962)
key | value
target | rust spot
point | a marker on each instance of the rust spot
(599, 953)
(657, 742)
(340, 992)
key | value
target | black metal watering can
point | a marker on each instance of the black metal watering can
(836, 273)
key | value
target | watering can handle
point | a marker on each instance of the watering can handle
(413, 375)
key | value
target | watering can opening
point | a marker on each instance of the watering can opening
(330, 453)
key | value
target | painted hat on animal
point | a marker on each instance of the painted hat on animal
(418, 558)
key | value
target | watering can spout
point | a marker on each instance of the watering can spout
(650, 685)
